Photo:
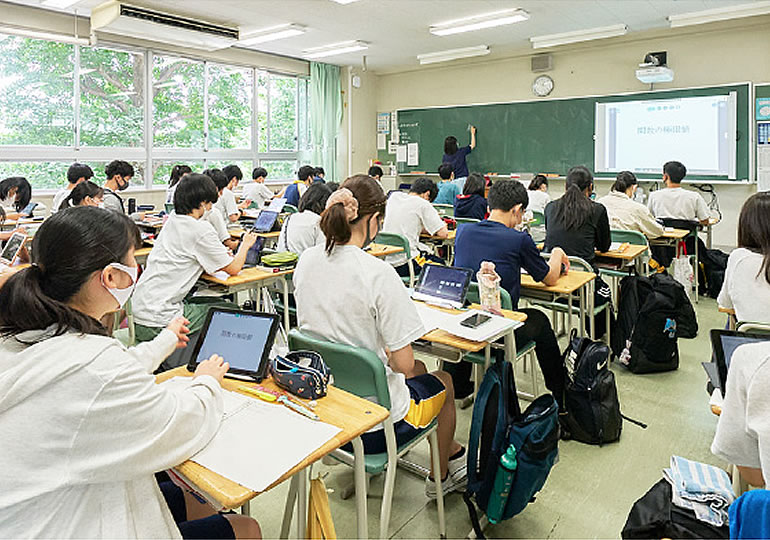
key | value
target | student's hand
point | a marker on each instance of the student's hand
(248, 240)
(559, 252)
(180, 329)
(214, 366)
(21, 230)
(473, 130)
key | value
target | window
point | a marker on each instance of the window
(177, 102)
(63, 103)
(36, 92)
(245, 166)
(111, 98)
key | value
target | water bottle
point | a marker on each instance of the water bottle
(506, 471)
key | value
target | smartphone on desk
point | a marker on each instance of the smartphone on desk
(475, 320)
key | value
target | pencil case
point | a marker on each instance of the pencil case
(302, 373)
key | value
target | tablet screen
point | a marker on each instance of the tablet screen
(265, 221)
(12, 247)
(240, 338)
(444, 282)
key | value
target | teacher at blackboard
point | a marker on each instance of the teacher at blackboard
(456, 156)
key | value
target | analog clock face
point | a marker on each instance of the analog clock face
(542, 86)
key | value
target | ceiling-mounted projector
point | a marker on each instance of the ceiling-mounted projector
(653, 69)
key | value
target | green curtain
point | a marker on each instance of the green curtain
(325, 116)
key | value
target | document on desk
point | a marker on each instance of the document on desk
(434, 319)
(258, 442)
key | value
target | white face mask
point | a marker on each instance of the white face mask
(100, 205)
(122, 295)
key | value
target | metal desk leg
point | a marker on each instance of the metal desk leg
(246, 508)
(288, 511)
(696, 266)
(708, 236)
(360, 482)
(590, 293)
(286, 315)
(302, 500)
(582, 311)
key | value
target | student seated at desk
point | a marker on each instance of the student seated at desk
(177, 173)
(302, 230)
(85, 194)
(409, 215)
(186, 247)
(257, 193)
(746, 287)
(319, 175)
(227, 203)
(363, 303)
(293, 192)
(76, 174)
(580, 226)
(447, 188)
(375, 171)
(119, 174)
(676, 202)
(538, 200)
(472, 204)
(215, 217)
(497, 240)
(743, 431)
(15, 194)
(624, 212)
(102, 427)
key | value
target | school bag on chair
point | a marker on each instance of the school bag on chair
(510, 453)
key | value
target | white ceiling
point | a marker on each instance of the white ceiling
(397, 30)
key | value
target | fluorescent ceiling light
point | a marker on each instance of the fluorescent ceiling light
(335, 49)
(552, 40)
(719, 14)
(479, 22)
(271, 34)
(344, 1)
(37, 34)
(61, 4)
(453, 54)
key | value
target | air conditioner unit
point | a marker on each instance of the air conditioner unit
(123, 19)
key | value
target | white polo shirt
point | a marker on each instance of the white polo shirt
(409, 215)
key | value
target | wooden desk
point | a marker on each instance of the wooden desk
(731, 319)
(238, 232)
(449, 242)
(633, 253)
(575, 281)
(12, 224)
(354, 415)
(141, 254)
(382, 250)
(712, 221)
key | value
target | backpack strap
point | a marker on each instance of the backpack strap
(474, 515)
(477, 422)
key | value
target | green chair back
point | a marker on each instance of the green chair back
(290, 209)
(474, 298)
(355, 370)
(632, 237)
(169, 207)
(460, 220)
(445, 210)
(753, 327)
(393, 239)
(538, 218)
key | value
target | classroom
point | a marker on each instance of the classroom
(384, 268)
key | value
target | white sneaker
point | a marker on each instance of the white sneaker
(456, 480)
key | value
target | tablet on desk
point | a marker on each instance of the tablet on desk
(243, 338)
(12, 248)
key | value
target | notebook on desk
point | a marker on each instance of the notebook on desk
(442, 285)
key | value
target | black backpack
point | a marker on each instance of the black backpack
(713, 264)
(655, 516)
(590, 395)
(653, 312)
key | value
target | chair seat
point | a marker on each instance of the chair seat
(558, 306)
(478, 358)
(615, 273)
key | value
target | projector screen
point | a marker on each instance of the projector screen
(640, 136)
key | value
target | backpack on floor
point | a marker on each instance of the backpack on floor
(712, 268)
(498, 424)
(592, 409)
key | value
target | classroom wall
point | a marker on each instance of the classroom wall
(705, 55)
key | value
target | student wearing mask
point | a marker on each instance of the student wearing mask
(302, 230)
(746, 287)
(15, 194)
(624, 212)
(296, 190)
(119, 174)
(580, 226)
(409, 215)
(497, 240)
(227, 203)
(257, 193)
(215, 217)
(85, 194)
(185, 248)
(76, 174)
(456, 157)
(472, 204)
(176, 175)
(363, 303)
(676, 202)
(447, 188)
(375, 171)
(100, 416)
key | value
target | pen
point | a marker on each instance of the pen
(297, 408)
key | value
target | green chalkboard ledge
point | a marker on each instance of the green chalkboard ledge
(688, 180)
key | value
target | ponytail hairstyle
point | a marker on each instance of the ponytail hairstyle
(537, 181)
(68, 248)
(574, 207)
(177, 173)
(23, 191)
(80, 192)
(624, 180)
(450, 145)
(359, 197)
(754, 228)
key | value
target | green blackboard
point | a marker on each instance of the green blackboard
(547, 136)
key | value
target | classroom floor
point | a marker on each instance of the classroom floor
(590, 490)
